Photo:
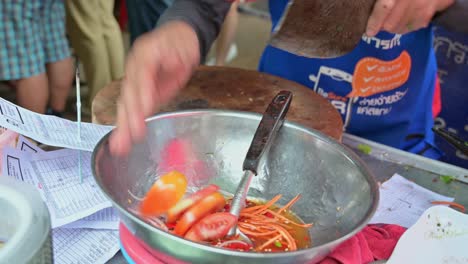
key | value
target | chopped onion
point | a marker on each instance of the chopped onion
(156, 222)
(226, 243)
(134, 196)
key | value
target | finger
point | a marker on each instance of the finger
(137, 64)
(133, 111)
(380, 12)
(398, 18)
(148, 83)
(120, 140)
(148, 93)
(410, 26)
(407, 24)
(418, 15)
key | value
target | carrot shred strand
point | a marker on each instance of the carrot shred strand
(452, 204)
(269, 242)
(291, 203)
(265, 206)
(262, 222)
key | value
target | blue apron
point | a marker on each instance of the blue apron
(451, 51)
(383, 89)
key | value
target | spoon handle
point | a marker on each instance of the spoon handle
(271, 122)
(458, 143)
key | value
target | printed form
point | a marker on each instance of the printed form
(50, 130)
(105, 219)
(402, 202)
(82, 210)
(27, 146)
(54, 174)
(84, 246)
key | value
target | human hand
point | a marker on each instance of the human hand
(403, 16)
(158, 66)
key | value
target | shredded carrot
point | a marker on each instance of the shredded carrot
(247, 225)
(256, 220)
(269, 242)
(252, 209)
(242, 214)
(264, 222)
(287, 220)
(286, 226)
(288, 205)
(261, 227)
(453, 204)
(260, 208)
(257, 234)
(292, 243)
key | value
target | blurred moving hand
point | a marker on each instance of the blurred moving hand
(158, 66)
(403, 16)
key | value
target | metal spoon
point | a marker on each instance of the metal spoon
(271, 122)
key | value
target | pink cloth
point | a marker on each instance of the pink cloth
(374, 242)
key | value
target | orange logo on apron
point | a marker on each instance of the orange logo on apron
(373, 76)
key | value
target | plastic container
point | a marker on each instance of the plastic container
(25, 227)
(135, 253)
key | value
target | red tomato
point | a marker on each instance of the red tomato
(211, 227)
(174, 213)
(164, 194)
(207, 205)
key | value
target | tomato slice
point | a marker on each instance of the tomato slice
(211, 227)
(174, 213)
(164, 194)
(207, 205)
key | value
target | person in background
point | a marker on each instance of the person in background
(384, 89)
(398, 33)
(97, 41)
(34, 53)
(143, 15)
(226, 49)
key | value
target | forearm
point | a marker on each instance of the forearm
(454, 18)
(205, 16)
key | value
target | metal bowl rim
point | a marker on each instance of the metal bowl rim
(251, 115)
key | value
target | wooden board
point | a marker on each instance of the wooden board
(236, 89)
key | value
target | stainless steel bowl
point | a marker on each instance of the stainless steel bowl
(339, 194)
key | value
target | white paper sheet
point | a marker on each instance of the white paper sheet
(50, 130)
(402, 202)
(16, 163)
(84, 246)
(104, 219)
(54, 174)
(27, 146)
(439, 236)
